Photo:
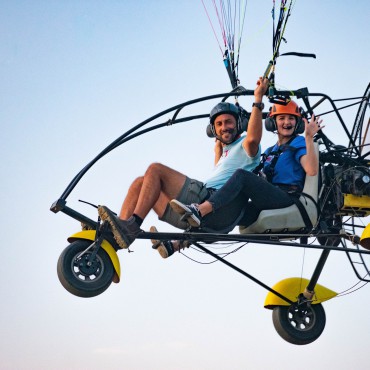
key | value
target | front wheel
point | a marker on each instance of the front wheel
(81, 275)
(299, 325)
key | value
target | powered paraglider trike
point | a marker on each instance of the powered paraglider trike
(330, 215)
(335, 205)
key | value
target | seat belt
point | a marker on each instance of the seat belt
(302, 209)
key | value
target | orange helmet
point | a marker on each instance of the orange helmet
(291, 108)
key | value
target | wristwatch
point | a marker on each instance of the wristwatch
(260, 106)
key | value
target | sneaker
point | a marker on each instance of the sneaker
(85, 227)
(190, 212)
(124, 232)
(165, 247)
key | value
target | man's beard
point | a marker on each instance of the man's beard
(232, 132)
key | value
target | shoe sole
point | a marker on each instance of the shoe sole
(106, 215)
(157, 244)
(181, 209)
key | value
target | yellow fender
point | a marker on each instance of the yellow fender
(90, 235)
(365, 238)
(291, 288)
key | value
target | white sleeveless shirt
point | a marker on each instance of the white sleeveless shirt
(233, 157)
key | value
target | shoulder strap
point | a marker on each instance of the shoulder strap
(263, 160)
(289, 142)
(276, 154)
(276, 157)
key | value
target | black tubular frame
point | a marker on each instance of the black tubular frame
(239, 91)
(278, 239)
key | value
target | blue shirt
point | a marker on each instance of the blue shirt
(288, 169)
(233, 157)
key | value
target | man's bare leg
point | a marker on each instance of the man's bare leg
(131, 198)
(159, 184)
(130, 201)
(158, 177)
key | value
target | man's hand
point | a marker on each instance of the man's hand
(260, 90)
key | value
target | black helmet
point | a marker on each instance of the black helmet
(224, 108)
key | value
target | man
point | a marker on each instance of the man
(160, 184)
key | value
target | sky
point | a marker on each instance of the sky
(77, 74)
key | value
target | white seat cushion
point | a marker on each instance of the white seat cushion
(282, 219)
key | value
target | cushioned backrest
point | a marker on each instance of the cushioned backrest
(311, 187)
(311, 184)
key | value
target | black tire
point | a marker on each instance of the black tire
(78, 277)
(329, 241)
(335, 225)
(299, 326)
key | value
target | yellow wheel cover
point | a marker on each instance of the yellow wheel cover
(291, 288)
(365, 238)
(90, 235)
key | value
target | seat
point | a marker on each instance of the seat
(288, 219)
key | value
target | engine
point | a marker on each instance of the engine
(355, 181)
(346, 191)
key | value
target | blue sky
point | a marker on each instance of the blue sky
(77, 74)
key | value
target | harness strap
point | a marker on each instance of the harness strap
(303, 211)
(276, 155)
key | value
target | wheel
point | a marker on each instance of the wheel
(329, 241)
(79, 276)
(335, 225)
(299, 325)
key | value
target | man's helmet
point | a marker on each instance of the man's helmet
(223, 108)
(292, 109)
(241, 117)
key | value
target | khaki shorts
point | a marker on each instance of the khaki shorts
(193, 191)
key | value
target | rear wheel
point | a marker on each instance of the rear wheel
(82, 274)
(299, 324)
(334, 226)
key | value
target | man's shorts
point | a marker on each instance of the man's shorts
(193, 191)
